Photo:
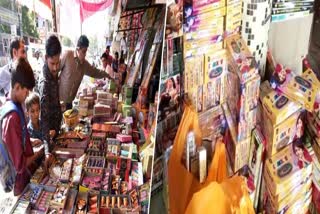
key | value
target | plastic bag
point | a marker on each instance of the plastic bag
(187, 194)
(231, 196)
(182, 183)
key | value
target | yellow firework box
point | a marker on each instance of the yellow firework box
(212, 29)
(280, 135)
(205, 20)
(231, 2)
(286, 170)
(234, 9)
(214, 78)
(278, 107)
(206, 119)
(197, 9)
(201, 46)
(303, 89)
(293, 195)
(299, 205)
(241, 60)
(193, 72)
(238, 151)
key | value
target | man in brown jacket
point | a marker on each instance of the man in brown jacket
(73, 67)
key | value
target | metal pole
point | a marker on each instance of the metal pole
(54, 18)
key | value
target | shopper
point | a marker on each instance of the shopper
(16, 51)
(115, 62)
(73, 67)
(122, 70)
(15, 173)
(33, 111)
(109, 57)
(104, 60)
(51, 115)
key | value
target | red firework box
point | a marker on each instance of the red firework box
(124, 138)
(123, 168)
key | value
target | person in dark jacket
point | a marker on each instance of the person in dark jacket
(51, 115)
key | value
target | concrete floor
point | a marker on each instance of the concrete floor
(157, 204)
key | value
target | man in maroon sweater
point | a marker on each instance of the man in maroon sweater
(21, 155)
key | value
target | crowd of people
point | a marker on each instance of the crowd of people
(32, 107)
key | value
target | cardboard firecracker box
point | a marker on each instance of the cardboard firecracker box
(238, 150)
(303, 89)
(203, 21)
(256, 162)
(203, 6)
(214, 28)
(243, 82)
(242, 100)
(287, 170)
(126, 110)
(278, 107)
(127, 91)
(241, 60)
(233, 18)
(280, 135)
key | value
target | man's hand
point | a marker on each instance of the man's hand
(39, 149)
(36, 142)
(48, 162)
(52, 133)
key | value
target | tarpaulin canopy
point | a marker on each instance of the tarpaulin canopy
(88, 8)
(47, 3)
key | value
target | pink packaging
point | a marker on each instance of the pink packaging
(196, 4)
(124, 138)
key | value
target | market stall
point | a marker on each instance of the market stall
(104, 152)
(239, 112)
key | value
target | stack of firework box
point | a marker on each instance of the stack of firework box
(285, 172)
(86, 101)
(205, 78)
(204, 26)
(125, 105)
(288, 180)
(205, 58)
(243, 83)
(279, 121)
(233, 17)
(313, 136)
(292, 166)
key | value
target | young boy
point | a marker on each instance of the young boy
(33, 110)
(15, 138)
